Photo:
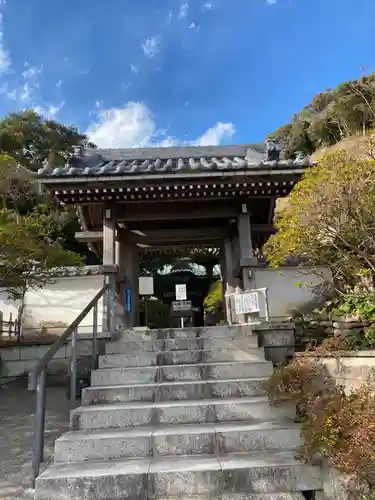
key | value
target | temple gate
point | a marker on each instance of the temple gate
(135, 200)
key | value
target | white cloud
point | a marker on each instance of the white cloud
(31, 72)
(207, 6)
(151, 46)
(134, 69)
(5, 61)
(183, 12)
(58, 84)
(26, 92)
(271, 2)
(216, 134)
(130, 126)
(49, 111)
(30, 83)
(194, 26)
(133, 125)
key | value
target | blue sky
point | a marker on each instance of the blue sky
(145, 72)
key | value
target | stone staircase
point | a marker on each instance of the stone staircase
(179, 414)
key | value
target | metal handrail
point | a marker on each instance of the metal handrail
(37, 377)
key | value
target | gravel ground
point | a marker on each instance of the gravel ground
(17, 411)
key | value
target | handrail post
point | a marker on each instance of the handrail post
(94, 359)
(38, 445)
(107, 301)
(265, 294)
(73, 370)
(113, 317)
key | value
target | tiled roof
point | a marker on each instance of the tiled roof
(72, 271)
(98, 162)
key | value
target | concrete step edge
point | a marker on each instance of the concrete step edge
(178, 429)
(170, 464)
(229, 349)
(187, 365)
(242, 496)
(136, 405)
(177, 382)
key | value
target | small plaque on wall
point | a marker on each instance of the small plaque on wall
(146, 285)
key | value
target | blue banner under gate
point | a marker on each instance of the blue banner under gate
(128, 300)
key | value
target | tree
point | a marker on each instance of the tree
(30, 139)
(332, 115)
(330, 219)
(206, 257)
(151, 263)
(30, 248)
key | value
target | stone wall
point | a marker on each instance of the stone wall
(19, 360)
(350, 369)
(278, 340)
(290, 288)
(313, 328)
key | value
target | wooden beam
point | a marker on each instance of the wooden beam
(182, 234)
(156, 234)
(181, 211)
(89, 236)
(177, 243)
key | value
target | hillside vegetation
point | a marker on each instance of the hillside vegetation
(341, 118)
(332, 116)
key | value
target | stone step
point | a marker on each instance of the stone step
(165, 440)
(168, 391)
(241, 496)
(251, 409)
(147, 478)
(138, 357)
(171, 344)
(218, 331)
(201, 371)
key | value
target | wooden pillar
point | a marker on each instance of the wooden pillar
(247, 260)
(120, 262)
(223, 279)
(109, 238)
(236, 264)
(237, 286)
(135, 283)
(229, 283)
(129, 270)
(109, 267)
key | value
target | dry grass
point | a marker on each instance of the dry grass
(357, 144)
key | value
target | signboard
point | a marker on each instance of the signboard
(181, 292)
(246, 303)
(182, 305)
(146, 285)
(128, 300)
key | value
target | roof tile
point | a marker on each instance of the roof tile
(100, 162)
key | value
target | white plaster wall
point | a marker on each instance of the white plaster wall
(289, 288)
(59, 303)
